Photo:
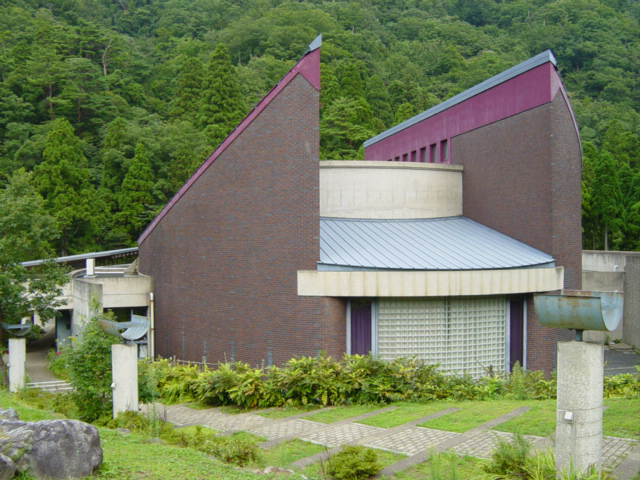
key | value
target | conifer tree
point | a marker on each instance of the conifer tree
(606, 200)
(186, 101)
(222, 106)
(330, 87)
(379, 100)
(351, 75)
(63, 179)
(136, 198)
(113, 155)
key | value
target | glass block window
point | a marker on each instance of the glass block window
(462, 334)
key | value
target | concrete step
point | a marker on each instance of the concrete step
(51, 386)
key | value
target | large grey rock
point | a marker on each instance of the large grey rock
(7, 468)
(51, 449)
(9, 414)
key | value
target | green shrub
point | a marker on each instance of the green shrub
(444, 466)
(237, 451)
(53, 402)
(248, 392)
(189, 437)
(58, 364)
(356, 379)
(211, 386)
(233, 449)
(89, 365)
(509, 457)
(176, 383)
(354, 463)
(625, 385)
(148, 374)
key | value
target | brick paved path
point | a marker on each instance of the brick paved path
(407, 439)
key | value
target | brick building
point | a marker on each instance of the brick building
(433, 246)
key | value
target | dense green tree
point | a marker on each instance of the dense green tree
(352, 76)
(330, 87)
(26, 231)
(345, 125)
(186, 101)
(113, 155)
(606, 201)
(405, 112)
(135, 199)
(222, 106)
(379, 100)
(63, 179)
(92, 61)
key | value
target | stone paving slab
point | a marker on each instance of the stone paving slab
(614, 450)
(341, 434)
(483, 444)
(322, 426)
(375, 436)
(630, 465)
(412, 440)
(183, 416)
(296, 427)
(406, 439)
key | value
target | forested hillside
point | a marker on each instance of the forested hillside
(111, 104)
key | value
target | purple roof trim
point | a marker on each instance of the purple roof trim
(308, 66)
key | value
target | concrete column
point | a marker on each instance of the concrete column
(17, 364)
(124, 371)
(631, 310)
(579, 407)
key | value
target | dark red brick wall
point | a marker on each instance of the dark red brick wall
(224, 259)
(522, 178)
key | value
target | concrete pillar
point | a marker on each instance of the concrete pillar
(124, 371)
(631, 311)
(17, 364)
(90, 265)
(579, 407)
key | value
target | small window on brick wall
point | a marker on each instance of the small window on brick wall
(414, 154)
(434, 153)
(405, 157)
(423, 154)
(444, 151)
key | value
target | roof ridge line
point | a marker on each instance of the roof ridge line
(519, 69)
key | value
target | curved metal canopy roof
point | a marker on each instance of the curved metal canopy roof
(451, 243)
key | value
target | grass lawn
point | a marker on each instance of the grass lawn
(134, 457)
(284, 454)
(25, 412)
(283, 412)
(473, 414)
(444, 466)
(540, 420)
(405, 412)
(621, 418)
(343, 412)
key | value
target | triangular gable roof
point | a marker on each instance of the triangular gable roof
(308, 66)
